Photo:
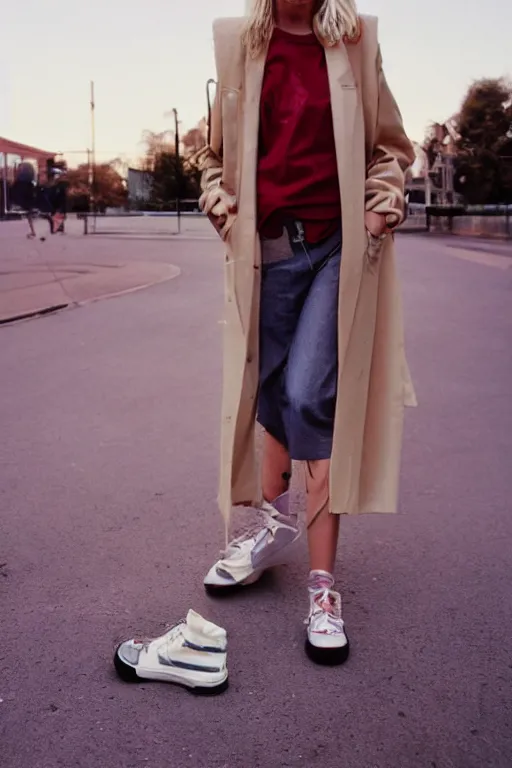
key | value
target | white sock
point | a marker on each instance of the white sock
(320, 580)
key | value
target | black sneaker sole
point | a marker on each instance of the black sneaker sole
(227, 591)
(128, 674)
(327, 657)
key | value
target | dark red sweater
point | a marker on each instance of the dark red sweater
(297, 171)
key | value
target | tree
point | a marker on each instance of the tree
(193, 142)
(484, 147)
(195, 139)
(109, 187)
(159, 163)
(166, 180)
(154, 145)
(433, 144)
(172, 177)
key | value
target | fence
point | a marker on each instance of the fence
(147, 224)
(493, 221)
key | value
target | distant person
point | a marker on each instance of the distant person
(24, 193)
(56, 193)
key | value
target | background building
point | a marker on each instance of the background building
(139, 186)
(12, 153)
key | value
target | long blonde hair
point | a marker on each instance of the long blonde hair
(335, 20)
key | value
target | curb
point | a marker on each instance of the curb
(53, 309)
(127, 291)
(34, 313)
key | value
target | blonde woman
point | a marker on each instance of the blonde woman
(304, 180)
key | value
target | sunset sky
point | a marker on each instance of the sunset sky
(146, 58)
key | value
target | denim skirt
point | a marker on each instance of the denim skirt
(299, 341)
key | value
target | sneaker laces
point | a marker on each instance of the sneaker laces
(326, 611)
(175, 630)
(270, 523)
(173, 633)
(169, 636)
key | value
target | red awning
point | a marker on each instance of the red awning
(24, 150)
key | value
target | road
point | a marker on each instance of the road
(108, 461)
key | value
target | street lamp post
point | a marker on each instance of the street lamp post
(209, 83)
(92, 165)
(178, 167)
(3, 166)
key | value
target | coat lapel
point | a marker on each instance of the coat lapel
(240, 481)
(247, 243)
(254, 71)
(349, 140)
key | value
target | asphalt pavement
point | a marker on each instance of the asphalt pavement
(108, 463)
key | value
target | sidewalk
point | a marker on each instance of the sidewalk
(68, 270)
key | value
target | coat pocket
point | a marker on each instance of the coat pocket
(374, 249)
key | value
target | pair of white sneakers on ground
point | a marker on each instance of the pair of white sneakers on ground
(193, 653)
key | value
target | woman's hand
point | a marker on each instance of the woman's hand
(219, 220)
(219, 204)
(376, 223)
(377, 229)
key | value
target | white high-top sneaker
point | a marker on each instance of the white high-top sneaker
(246, 557)
(192, 653)
(326, 640)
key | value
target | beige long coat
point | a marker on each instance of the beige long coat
(373, 382)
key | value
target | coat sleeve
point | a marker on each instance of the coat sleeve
(210, 157)
(216, 201)
(392, 154)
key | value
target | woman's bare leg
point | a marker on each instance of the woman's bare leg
(326, 641)
(276, 468)
(323, 527)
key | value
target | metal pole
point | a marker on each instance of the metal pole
(93, 153)
(209, 82)
(89, 173)
(3, 157)
(178, 168)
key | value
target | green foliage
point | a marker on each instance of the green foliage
(484, 148)
(109, 188)
(172, 177)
